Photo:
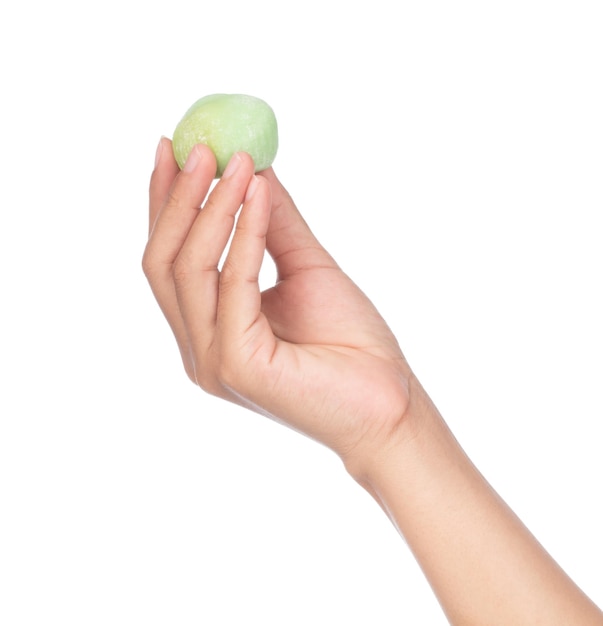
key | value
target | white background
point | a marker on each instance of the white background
(449, 155)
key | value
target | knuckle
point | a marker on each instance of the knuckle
(230, 277)
(149, 267)
(231, 370)
(181, 270)
(173, 198)
(209, 382)
(222, 372)
(205, 372)
(227, 374)
(191, 374)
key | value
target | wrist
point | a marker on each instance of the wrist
(475, 552)
(416, 416)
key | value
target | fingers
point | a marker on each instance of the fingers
(240, 300)
(186, 245)
(216, 315)
(196, 274)
(175, 198)
(162, 178)
(181, 200)
(290, 241)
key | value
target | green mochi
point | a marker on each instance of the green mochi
(228, 123)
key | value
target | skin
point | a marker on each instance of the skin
(313, 353)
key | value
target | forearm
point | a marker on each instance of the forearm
(313, 352)
(484, 566)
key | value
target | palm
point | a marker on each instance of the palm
(322, 306)
(314, 301)
(337, 356)
(337, 367)
(312, 351)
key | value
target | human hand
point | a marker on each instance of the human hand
(311, 351)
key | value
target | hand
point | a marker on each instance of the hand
(311, 351)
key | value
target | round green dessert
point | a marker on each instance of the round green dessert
(228, 123)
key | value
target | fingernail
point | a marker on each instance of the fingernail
(159, 151)
(253, 183)
(233, 165)
(193, 159)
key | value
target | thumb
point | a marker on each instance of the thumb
(289, 240)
